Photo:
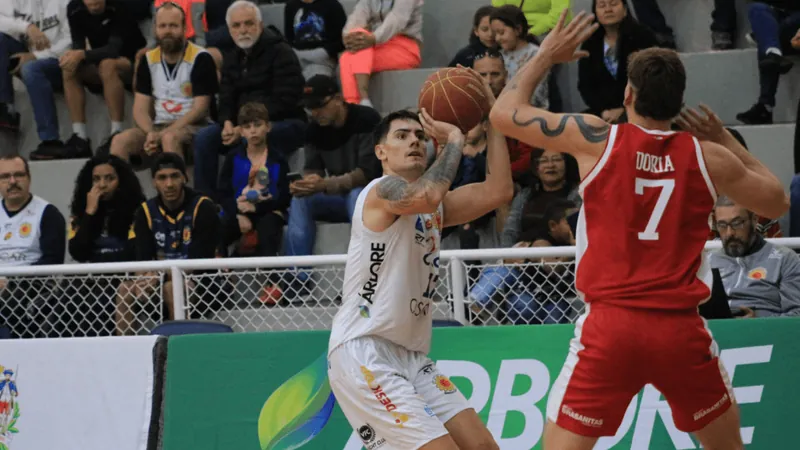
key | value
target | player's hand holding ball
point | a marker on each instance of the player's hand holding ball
(441, 132)
(561, 44)
(706, 126)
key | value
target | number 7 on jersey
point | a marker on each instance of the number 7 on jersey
(667, 186)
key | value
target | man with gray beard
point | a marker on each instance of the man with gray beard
(263, 68)
(760, 278)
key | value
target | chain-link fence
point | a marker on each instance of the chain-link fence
(280, 299)
(81, 305)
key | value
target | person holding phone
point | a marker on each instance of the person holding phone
(33, 35)
(338, 142)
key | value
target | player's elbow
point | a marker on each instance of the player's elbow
(499, 118)
(774, 204)
(781, 205)
(504, 193)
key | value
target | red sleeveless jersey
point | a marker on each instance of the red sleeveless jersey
(644, 222)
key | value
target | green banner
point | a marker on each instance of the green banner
(270, 390)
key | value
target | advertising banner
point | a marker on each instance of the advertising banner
(82, 393)
(270, 390)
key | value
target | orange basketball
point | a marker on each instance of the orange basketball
(454, 96)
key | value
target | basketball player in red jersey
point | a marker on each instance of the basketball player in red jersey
(647, 194)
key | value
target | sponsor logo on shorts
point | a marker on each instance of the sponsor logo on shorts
(419, 307)
(704, 412)
(367, 435)
(444, 384)
(377, 253)
(383, 399)
(588, 421)
(429, 411)
(364, 311)
(400, 419)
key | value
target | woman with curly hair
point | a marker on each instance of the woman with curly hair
(107, 193)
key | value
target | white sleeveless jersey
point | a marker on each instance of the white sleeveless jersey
(19, 244)
(389, 280)
(172, 90)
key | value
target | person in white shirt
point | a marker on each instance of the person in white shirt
(390, 391)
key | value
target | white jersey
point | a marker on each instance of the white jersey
(20, 234)
(389, 280)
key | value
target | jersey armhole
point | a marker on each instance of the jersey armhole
(701, 162)
(359, 211)
(598, 166)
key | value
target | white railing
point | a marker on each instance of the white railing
(259, 294)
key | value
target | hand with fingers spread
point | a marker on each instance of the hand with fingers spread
(440, 131)
(705, 126)
(563, 41)
(487, 89)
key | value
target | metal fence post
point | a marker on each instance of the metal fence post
(178, 293)
(458, 284)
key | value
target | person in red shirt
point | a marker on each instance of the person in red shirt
(640, 267)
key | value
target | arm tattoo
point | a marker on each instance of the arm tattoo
(402, 194)
(591, 133)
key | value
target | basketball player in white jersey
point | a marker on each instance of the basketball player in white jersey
(391, 392)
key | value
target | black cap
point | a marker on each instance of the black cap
(168, 161)
(317, 89)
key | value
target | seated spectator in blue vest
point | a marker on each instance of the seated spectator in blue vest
(262, 68)
(339, 161)
(481, 38)
(105, 68)
(603, 75)
(175, 85)
(314, 29)
(178, 223)
(32, 234)
(254, 188)
(107, 194)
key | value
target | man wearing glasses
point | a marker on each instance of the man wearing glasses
(32, 232)
(761, 279)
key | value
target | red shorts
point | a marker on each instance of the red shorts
(617, 351)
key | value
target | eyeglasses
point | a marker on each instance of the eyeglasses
(736, 224)
(5, 177)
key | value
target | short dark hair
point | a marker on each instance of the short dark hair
(659, 79)
(24, 162)
(251, 112)
(383, 127)
(492, 53)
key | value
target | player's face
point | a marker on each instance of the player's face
(484, 32)
(105, 178)
(493, 72)
(403, 152)
(15, 182)
(255, 132)
(505, 36)
(610, 12)
(170, 29)
(735, 227)
(551, 169)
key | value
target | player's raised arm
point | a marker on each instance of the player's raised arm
(733, 170)
(512, 115)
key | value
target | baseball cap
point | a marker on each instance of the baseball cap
(317, 89)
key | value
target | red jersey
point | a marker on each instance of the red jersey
(644, 222)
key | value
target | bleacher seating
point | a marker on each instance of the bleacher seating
(726, 81)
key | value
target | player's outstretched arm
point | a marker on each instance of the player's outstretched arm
(733, 170)
(512, 115)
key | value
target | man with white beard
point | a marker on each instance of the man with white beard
(263, 68)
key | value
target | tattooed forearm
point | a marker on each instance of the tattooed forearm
(591, 133)
(433, 184)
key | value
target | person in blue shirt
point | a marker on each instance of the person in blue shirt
(254, 188)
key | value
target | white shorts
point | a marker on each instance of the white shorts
(393, 398)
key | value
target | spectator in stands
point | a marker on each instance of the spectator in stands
(176, 224)
(491, 67)
(314, 30)
(542, 15)
(107, 194)
(254, 187)
(542, 287)
(175, 84)
(195, 26)
(106, 67)
(761, 279)
(481, 38)
(517, 47)
(218, 35)
(33, 36)
(379, 36)
(723, 23)
(603, 75)
(775, 23)
(33, 234)
(262, 68)
(339, 144)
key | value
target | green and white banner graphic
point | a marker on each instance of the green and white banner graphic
(270, 391)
